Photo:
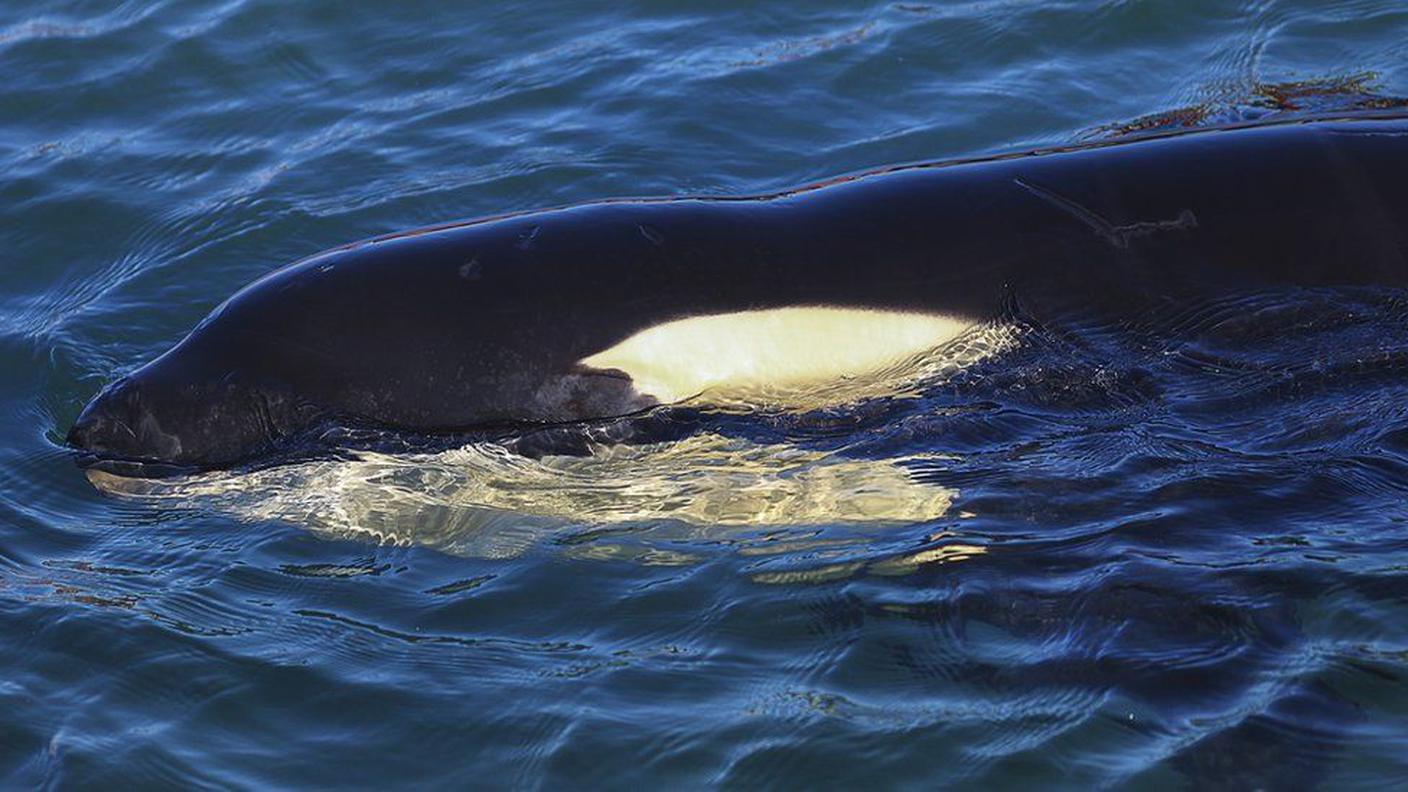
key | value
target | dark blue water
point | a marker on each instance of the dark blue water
(1169, 554)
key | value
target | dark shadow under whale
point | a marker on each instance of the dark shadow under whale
(609, 309)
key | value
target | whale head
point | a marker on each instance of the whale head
(166, 414)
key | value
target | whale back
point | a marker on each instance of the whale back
(610, 308)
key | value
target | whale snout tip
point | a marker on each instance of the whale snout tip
(81, 435)
(105, 425)
(114, 435)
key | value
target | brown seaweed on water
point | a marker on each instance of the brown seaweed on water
(1262, 101)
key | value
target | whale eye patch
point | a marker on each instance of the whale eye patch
(776, 349)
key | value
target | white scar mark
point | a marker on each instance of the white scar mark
(1120, 235)
(773, 349)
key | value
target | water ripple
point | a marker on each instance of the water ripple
(1165, 552)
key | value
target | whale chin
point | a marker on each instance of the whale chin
(96, 467)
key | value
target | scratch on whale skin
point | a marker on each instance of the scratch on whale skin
(1120, 235)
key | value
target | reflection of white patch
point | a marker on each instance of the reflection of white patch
(482, 500)
(780, 348)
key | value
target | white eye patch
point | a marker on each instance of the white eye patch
(773, 349)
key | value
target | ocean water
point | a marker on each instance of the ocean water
(1172, 556)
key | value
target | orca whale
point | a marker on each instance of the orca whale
(612, 308)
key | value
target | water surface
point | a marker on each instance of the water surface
(1170, 554)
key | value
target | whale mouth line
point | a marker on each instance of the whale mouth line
(130, 467)
(343, 435)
